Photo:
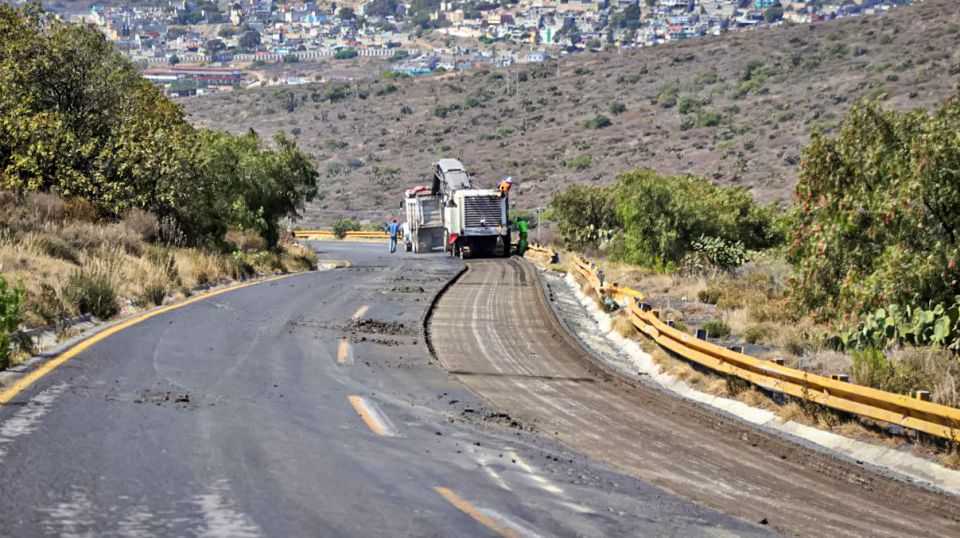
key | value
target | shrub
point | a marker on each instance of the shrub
(345, 54)
(617, 108)
(153, 294)
(877, 219)
(754, 334)
(709, 295)
(144, 224)
(580, 162)
(92, 293)
(716, 329)
(586, 216)
(336, 92)
(597, 122)
(340, 227)
(663, 216)
(11, 299)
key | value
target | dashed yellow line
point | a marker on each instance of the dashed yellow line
(477, 515)
(16, 388)
(344, 354)
(369, 416)
(360, 312)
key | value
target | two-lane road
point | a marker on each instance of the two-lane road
(306, 406)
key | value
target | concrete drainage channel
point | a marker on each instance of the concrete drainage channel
(594, 329)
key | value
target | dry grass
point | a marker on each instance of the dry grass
(45, 241)
(623, 326)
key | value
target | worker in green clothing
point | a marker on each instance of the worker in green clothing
(522, 229)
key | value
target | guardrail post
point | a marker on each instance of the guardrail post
(736, 349)
(600, 276)
(655, 313)
(922, 395)
(701, 334)
(672, 323)
(840, 377)
(778, 361)
(645, 307)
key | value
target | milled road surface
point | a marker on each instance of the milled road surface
(495, 330)
(306, 406)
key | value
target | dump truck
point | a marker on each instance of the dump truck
(475, 220)
(424, 220)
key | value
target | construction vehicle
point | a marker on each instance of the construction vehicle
(424, 220)
(475, 220)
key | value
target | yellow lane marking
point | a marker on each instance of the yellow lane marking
(16, 388)
(344, 356)
(370, 416)
(477, 515)
(360, 312)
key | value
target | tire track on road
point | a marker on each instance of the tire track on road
(490, 319)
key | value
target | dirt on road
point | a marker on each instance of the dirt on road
(495, 331)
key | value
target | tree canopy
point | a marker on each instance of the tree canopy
(77, 119)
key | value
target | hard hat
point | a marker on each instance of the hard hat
(508, 179)
(394, 220)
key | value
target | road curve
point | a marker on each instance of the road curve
(495, 330)
(308, 406)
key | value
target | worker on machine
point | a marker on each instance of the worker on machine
(522, 229)
(393, 229)
(504, 186)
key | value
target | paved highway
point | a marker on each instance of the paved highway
(495, 330)
(306, 406)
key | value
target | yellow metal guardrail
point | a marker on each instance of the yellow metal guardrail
(910, 412)
(327, 234)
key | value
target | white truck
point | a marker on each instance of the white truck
(475, 220)
(424, 230)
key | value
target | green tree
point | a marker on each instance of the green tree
(878, 212)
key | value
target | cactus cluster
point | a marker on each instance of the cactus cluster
(898, 325)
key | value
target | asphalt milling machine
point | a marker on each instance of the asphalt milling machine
(456, 217)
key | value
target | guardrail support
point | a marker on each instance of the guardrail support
(778, 361)
(922, 395)
(736, 349)
(672, 323)
(701, 334)
(840, 377)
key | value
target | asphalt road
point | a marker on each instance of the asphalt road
(306, 406)
(494, 328)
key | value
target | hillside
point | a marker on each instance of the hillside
(736, 109)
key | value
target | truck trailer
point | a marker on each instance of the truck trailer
(424, 220)
(475, 220)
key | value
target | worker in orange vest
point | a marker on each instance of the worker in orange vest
(504, 186)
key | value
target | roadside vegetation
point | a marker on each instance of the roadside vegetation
(109, 199)
(858, 276)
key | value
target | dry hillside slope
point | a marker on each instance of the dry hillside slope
(736, 108)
